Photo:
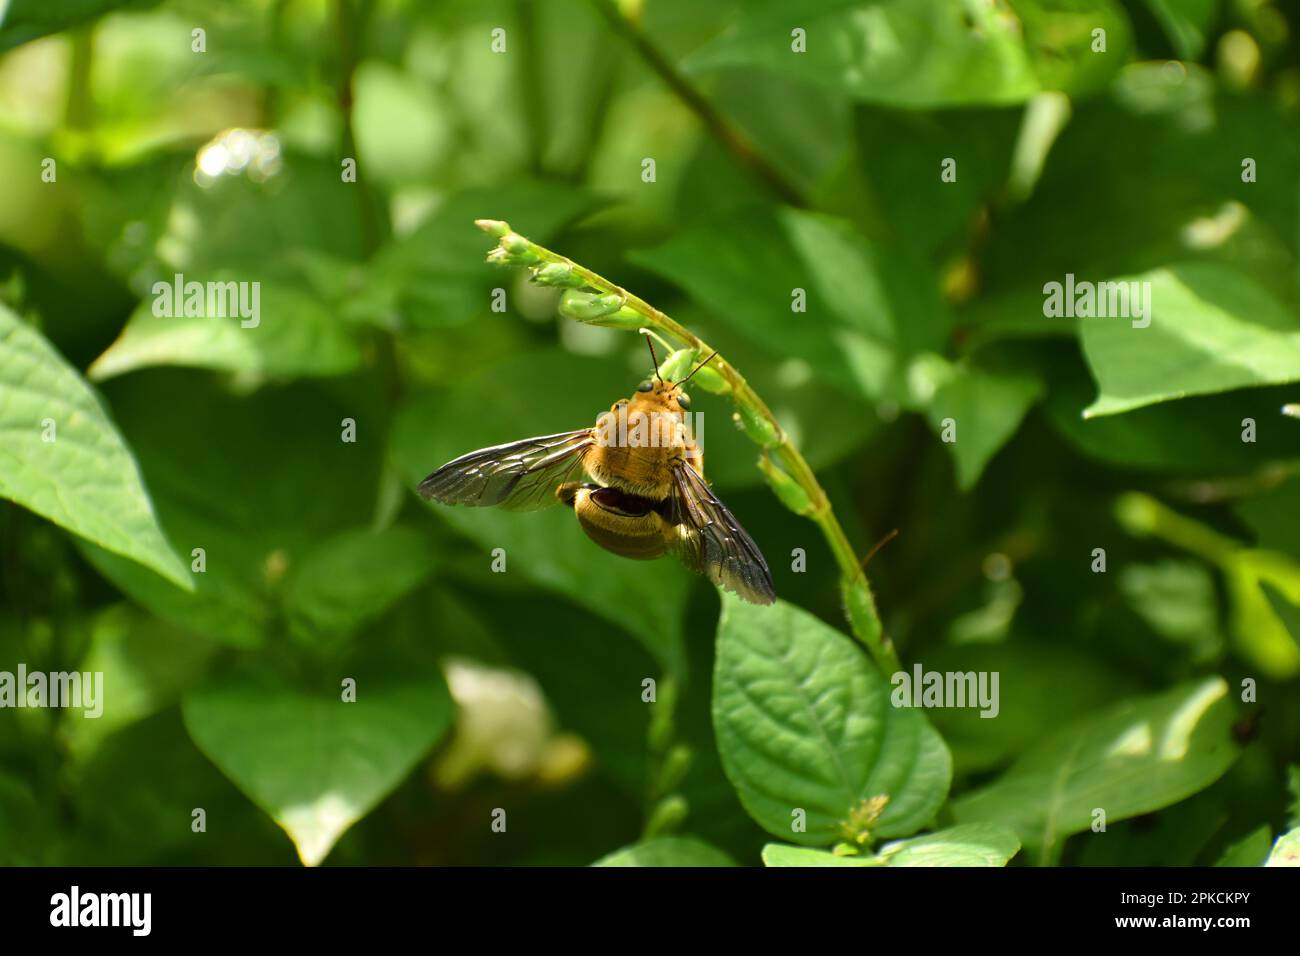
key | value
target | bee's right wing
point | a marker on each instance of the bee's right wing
(520, 475)
(711, 541)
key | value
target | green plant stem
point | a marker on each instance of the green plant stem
(860, 606)
(720, 128)
(351, 21)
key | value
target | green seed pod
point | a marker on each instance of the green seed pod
(756, 425)
(674, 768)
(860, 609)
(790, 492)
(559, 274)
(668, 815)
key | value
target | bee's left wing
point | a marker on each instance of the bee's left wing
(711, 541)
(520, 475)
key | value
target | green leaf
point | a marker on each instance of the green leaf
(353, 577)
(805, 722)
(1286, 851)
(547, 547)
(63, 458)
(147, 664)
(23, 20)
(868, 306)
(1187, 23)
(1250, 850)
(255, 506)
(1041, 686)
(1265, 590)
(294, 334)
(972, 844)
(926, 53)
(313, 762)
(1130, 759)
(667, 851)
(986, 407)
(1212, 330)
(782, 854)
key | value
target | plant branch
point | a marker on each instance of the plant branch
(727, 133)
(795, 482)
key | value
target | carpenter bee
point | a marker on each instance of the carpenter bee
(645, 495)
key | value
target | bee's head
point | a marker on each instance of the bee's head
(664, 394)
(667, 396)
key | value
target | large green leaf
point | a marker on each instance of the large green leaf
(805, 722)
(1211, 330)
(970, 844)
(927, 53)
(868, 306)
(667, 851)
(1130, 759)
(314, 762)
(63, 458)
(505, 403)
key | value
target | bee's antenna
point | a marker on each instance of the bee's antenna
(697, 368)
(654, 358)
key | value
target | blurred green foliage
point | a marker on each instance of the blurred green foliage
(1114, 531)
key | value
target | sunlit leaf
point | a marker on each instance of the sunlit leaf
(63, 457)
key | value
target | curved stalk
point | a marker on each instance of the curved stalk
(622, 309)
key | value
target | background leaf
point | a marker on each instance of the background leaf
(1133, 758)
(313, 762)
(1211, 330)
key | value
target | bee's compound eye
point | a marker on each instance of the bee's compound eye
(645, 386)
(683, 400)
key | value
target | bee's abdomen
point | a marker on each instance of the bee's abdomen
(625, 524)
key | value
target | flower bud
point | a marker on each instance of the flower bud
(559, 274)
(493, 227)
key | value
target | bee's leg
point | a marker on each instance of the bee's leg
(568, 491)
